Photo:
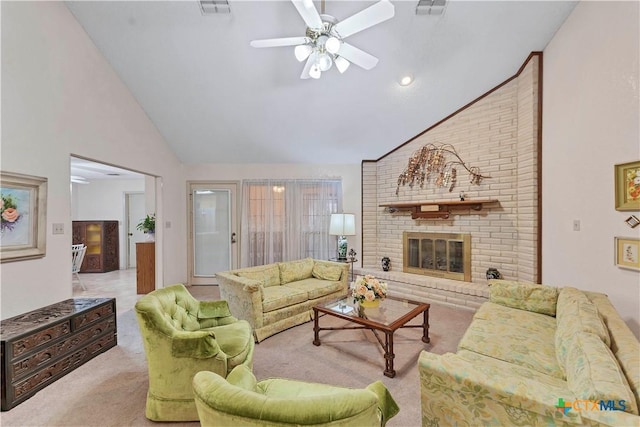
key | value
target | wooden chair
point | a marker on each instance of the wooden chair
(77, 255)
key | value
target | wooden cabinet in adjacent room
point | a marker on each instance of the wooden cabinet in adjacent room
(101, 239)
(146, 267)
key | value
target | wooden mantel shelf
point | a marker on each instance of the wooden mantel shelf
(436, 209)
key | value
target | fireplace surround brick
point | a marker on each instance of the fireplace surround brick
(498, 133)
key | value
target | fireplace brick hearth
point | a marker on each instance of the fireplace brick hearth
(466, 295)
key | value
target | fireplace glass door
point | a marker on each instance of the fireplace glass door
(438, 254)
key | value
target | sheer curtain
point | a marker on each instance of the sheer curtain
(283, 220)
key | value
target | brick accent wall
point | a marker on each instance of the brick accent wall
(497, 133)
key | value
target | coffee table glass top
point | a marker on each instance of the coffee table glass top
(389, 311)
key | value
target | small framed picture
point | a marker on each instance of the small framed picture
(627, 179)
(627, 253)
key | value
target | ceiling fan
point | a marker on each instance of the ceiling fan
(323, 44)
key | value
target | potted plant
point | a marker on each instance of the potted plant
(148, 226)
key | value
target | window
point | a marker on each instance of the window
(284, 220)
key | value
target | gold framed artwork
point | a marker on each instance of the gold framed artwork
(23, 219)
(627, 179)
(627, 253)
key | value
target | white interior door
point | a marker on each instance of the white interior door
(135, 207)
(212, 230)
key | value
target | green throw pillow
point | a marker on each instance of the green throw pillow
(292, 271)
(524, 296)
(326, 272)
(269, 275)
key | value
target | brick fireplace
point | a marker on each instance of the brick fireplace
(499, 134)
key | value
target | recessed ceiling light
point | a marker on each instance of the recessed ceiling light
(406, 80)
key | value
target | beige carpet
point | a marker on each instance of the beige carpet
(110, 390)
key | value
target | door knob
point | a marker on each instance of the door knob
(233, 237)
(130, 234)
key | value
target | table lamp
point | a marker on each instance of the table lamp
(342, 225)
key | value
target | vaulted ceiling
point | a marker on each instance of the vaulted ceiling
(215, 99)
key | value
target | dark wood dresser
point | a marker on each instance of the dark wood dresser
(43, 345)
(103, 245)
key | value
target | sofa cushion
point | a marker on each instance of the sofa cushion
(576, 313)
(276, 297)
(269, 275)
(315, 288)
(594, 374)
(292, 271)
(537, 298)
(513, 343)
(624, 344)
(539, 323)
(326, 272)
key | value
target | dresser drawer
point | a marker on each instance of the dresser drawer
(38, 339)
(92, 316)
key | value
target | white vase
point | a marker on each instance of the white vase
(150, 236)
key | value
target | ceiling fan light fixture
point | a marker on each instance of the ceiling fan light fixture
(315, 71)
(324, 61)
(332, 45)
(342, 64)
(302, 52)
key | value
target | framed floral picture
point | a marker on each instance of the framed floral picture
(23, 223)
(627, 250)
(627, 179)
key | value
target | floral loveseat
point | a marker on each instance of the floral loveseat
(278, 296)
(536, 355)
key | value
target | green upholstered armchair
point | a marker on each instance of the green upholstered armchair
(183, 336)
(239, 400)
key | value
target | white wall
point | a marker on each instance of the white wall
(105, 200)
(590, 122)
(60, 97)
(350, 174)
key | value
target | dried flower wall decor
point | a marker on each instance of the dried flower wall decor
(431, 161)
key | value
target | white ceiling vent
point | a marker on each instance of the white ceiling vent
(210, 7)
(430, 7)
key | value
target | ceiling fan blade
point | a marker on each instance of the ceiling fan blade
(307, 66)
(375, 14)
(357, 56)
(285, 41)
(309, 13)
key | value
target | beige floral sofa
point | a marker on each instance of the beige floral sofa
(278, 296)
(536, 356)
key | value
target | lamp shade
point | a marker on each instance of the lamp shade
(342, 225)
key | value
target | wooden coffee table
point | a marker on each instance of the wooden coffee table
(392, 315)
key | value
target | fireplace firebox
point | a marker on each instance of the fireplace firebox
(446, 255)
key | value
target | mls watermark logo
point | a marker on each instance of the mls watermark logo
(590, 405)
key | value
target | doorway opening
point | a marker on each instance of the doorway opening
(104, 192)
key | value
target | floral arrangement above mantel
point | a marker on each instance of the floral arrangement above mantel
(368, 289)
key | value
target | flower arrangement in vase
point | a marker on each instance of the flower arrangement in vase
(368, 291)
